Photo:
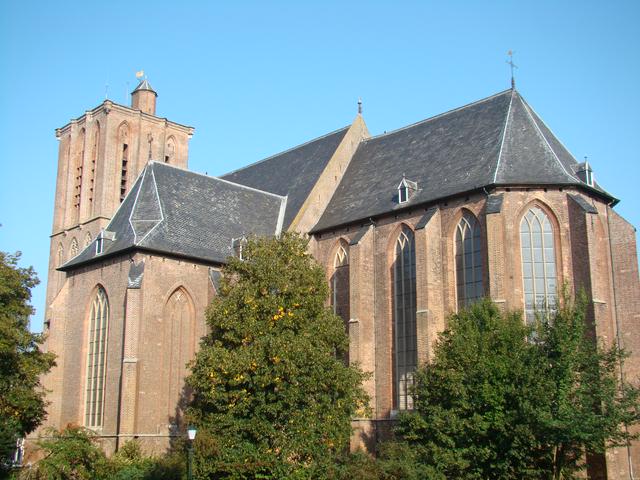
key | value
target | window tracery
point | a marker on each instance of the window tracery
(404, 319)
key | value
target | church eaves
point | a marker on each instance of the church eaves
(180, 213)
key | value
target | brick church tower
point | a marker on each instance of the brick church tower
(100, 156)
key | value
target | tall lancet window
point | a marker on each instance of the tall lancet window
(340, 284)
(96, 360)
(178, 348)
(77, 196)
(468, 261)
(123, 146)
(94, 162)
(404, 319)
(538, 263)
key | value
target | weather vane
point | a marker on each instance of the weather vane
(512, 65)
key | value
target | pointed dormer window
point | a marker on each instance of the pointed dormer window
(237, 244)
(102, 237)
(100, 243)
(585, 173)
(406, 189)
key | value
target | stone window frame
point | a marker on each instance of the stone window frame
(550, 281)
(467, 219)
(402, 381)
(96, 370)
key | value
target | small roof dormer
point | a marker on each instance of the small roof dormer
(143, 98)
(585, 173)
(406, 189)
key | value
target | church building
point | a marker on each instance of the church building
(410, 225)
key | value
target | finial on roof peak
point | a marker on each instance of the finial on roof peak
(512, 65)
(359, 106)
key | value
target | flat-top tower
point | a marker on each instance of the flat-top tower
(101, 154)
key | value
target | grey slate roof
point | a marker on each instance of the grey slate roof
(292, 173)
(496, 141)
(182, 213)
(144, 85)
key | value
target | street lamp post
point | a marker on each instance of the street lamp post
(191, 434)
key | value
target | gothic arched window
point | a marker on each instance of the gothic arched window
(73, 250)
(96, 360)
(78, 179)
(94, 162)
(179, 343)
(123, 146)
(60, 255)
(469, 284)
(170, 150)
(538, 263)
(340, 284)
(404, 318)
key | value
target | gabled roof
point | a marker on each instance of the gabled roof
(496, 141)
(181, 213)
(292, 173)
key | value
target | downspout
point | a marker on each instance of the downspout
(618, 340)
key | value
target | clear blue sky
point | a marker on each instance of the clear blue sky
(255, 78)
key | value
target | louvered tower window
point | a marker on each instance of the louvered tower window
(538, 263)
(123, 171)
(468, 261)
(96, 360)
(78, 179)
(94, 161)
(404, 319)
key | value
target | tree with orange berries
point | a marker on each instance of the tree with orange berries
(272, 396)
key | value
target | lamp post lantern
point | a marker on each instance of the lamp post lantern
(191, 435)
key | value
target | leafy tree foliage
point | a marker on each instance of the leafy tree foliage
(272, 396)
(500, 401)
(588, 408)
(69, 454)
(73, 454)
(22, 405)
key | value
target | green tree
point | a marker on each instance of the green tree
(69, 454)
(476, 403)
(589, 409)
(22, 404)
(272, 396)
(501, 401)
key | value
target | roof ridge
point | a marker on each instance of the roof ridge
(211, 177)
(546, 141)
(288, 150)
(529, 107)
(504, 136)
(283, 208)
(453, 110)
(155, 189)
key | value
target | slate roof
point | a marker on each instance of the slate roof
(144, 85)
(292, 173)
(499, 140)
(177, 212)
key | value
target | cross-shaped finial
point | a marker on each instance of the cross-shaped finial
(359, 106)
(512, 65)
